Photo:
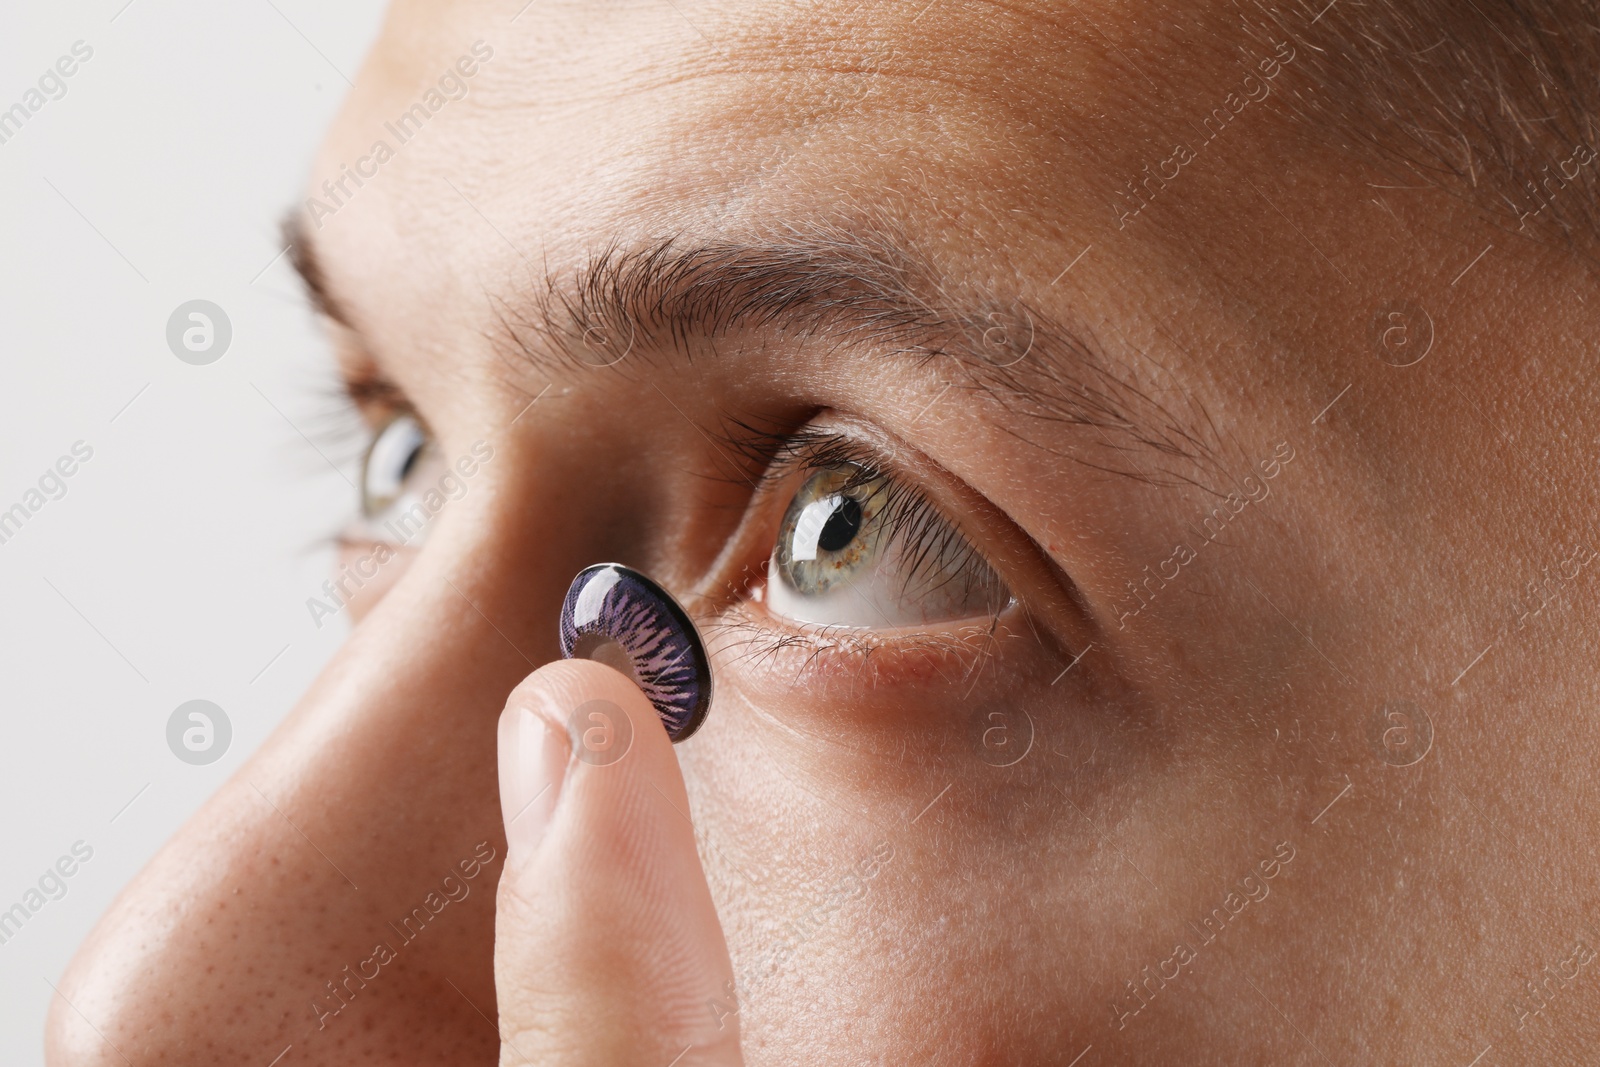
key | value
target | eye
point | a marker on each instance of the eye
(398, 451)
(857, 548)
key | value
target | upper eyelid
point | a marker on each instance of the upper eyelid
(862, 286)
(368, 389)
(780, 453)
(913, 513)
(810, 449)
(858, 283)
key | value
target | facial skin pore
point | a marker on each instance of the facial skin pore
(1240, 532)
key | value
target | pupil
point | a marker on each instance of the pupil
(411, 461)
(841, 527)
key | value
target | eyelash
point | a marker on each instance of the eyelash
(781, 458)
(906, 511)
(786, 458)
(355, 408)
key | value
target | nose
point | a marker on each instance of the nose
(334, 902)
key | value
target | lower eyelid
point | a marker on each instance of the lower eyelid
(747, 637)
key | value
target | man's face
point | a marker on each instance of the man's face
(1211, 683)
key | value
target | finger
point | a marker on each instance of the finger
(607, 945)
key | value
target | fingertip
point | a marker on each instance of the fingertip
(534, 751)
(559, 688)
(563, 723)
(608, 915)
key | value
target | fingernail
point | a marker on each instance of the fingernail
(533, 762)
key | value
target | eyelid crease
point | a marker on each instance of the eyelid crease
(859, 284)
(367, 387)
(850, 281)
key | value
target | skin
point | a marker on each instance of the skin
(1225, 725)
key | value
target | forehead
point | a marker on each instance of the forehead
(1003, 140)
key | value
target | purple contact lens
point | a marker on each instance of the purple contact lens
(619, 617)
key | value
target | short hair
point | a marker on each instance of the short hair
(1493, 101)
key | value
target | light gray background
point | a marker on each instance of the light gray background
(191, 540)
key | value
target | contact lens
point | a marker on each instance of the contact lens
(621, 618)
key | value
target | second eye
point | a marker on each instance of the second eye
(396, 454)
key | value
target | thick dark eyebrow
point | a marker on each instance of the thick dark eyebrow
(846, 289)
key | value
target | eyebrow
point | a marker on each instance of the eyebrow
(859, 288)
(307, 263)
